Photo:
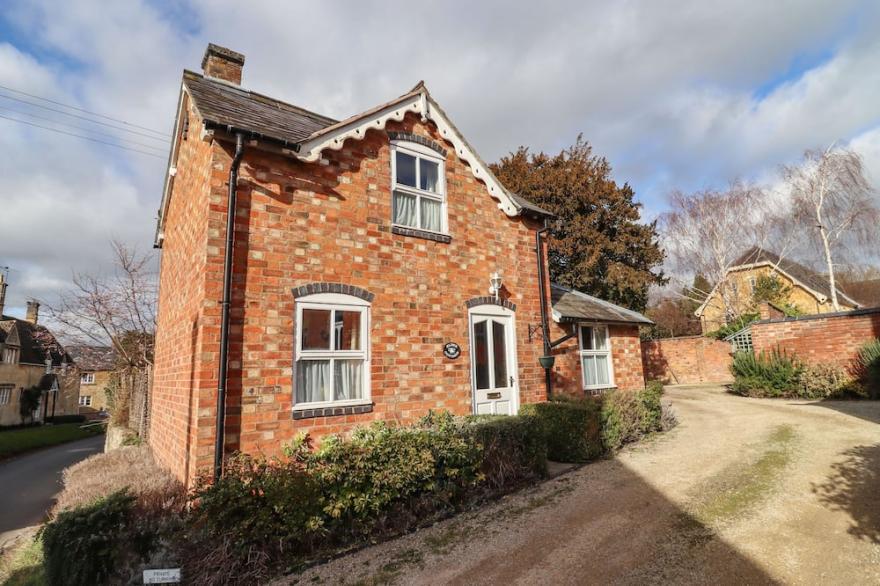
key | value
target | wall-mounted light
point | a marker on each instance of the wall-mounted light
(495, 284)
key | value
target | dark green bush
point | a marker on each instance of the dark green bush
(572, 428)
(734, 326)
(89, 545)
(627, 416)
(868, 367)
(773, 374)
(514, 449)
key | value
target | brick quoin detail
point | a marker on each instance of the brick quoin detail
(470, 303)
(315, 288)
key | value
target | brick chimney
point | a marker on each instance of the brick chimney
(33, 312)
(222, 63)
(2, 294)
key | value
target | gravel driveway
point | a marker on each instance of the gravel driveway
(743, 491)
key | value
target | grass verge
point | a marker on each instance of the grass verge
(18, 441)
(24, 566)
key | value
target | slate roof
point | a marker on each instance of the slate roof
(35, 342)
(93, 358)
(233, 108)
(799, 272)
(570, 305)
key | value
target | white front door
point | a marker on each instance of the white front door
(493, 364)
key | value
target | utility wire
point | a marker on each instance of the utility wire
(164, 134)
(165, 140)
(108, 135)
(113, 144)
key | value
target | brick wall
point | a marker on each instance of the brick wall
(691, 359)
(826, 338)
(299, 223)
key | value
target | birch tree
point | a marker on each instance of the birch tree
(835, 202)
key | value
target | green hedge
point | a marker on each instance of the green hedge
(627, 416)
(514, 448)
(572, 428)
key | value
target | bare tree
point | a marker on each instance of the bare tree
(118, 308)
(707, 231)
(832, 197)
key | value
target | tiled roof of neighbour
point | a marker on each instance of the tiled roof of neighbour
(93, 357)
(570, 305)
(36, 343)
(225, 105)
(799, 272)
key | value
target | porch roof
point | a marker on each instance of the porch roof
(570, 305)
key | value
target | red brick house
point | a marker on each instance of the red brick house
(377, 270)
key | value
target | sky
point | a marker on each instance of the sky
(677, 95)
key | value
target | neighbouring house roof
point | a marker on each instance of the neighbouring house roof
(805, 277)
(304, 134)
(570, 305)
(36, 343)
(93, 358)
(866, 292)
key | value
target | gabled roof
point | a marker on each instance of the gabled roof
(305, 134)
(36, 342)
(570, 305)
(93, 358)
(807, 278)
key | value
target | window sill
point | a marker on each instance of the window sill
(306, 412)
(424, 234)
(594, 391)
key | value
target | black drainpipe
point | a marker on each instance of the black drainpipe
(224, 308)
(545, 326)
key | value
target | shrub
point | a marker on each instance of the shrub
(514, 449)
(383, 468)
(822, 381)
(572, 428)
(734, 326)
(766, 375)
(94, 543)
(259, 509)
(868, 367)
(627, 416)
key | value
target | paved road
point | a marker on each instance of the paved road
(743, 491)
(29, 483)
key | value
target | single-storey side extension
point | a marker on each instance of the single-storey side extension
(376, 270)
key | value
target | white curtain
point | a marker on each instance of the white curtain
(404, 209)
(347, 375)
(431, 215)
(428, 175)
(312, 381)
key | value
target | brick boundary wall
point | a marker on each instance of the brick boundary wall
(830, 337)
(687, 360)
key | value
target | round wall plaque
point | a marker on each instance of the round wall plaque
(451, 350)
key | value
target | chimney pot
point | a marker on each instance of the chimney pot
(2, 294)
(33, 312)
(222, 63)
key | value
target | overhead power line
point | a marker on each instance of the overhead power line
(164, 134)
(113, 144)
(151, 137)
(84, 129)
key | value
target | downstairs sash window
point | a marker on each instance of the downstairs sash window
(595, 356)
(331, 364)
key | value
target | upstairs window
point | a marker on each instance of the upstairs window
(87, 378)
(595, 351)
(332, 338)
(5, 394)
(10, 355)
(418, 187)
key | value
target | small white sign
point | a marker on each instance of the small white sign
(168, 576)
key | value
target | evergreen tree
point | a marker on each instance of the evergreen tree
(599, 244)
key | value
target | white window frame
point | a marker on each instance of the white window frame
(10, 355)
(329, 302)
(87, 378)
(420, 152)
(85, 400)
(6, 394)
(607, 351)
